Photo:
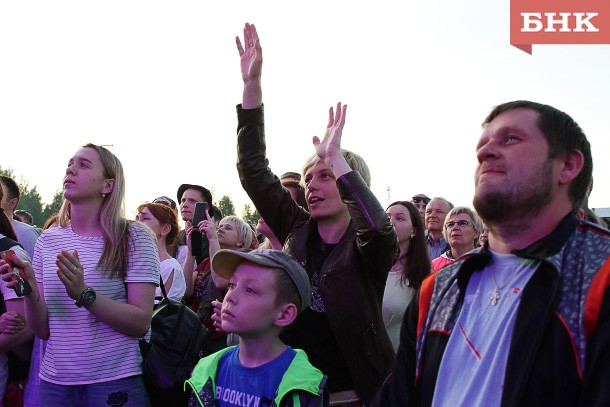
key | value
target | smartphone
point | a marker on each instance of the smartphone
(196, 237)
(23, 287)
(199, 215)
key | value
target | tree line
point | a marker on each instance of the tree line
(31, 201)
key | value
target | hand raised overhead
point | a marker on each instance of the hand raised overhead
(251, 54)
(330, 146)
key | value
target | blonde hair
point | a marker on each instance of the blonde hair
(355, 162)
(243, 229)
(115, 228)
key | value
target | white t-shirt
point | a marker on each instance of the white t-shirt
(178, 284)
(181, 253)
(8, 294)
(81, 349)
(474, 363)
(396, 298)
(27, 236)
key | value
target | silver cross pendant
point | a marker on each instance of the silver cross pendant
(495, 296)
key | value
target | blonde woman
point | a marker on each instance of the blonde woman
(93, 282)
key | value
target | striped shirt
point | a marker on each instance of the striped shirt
(81, 349)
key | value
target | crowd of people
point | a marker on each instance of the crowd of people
(329, 299)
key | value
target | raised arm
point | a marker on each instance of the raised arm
(251, 56)
(376, 236)
(329, 148)
(270, 198)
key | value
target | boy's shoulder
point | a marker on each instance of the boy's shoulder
(303, 380)
(208, 366)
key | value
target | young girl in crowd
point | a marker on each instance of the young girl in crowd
(93, 282)
(409, 270)
(15, 335)
(164, 223)
(345, 242)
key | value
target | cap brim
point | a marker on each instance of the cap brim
(225, 262)
(290, 183)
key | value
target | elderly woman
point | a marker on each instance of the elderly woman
(461, 230)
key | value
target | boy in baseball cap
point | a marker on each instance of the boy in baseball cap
(267, 290)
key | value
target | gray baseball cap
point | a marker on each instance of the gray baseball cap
(226, 261)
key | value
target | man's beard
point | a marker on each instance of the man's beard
(516, 201)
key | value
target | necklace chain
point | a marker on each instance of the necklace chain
(495, 296)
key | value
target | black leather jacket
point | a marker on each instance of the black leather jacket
(353, 278)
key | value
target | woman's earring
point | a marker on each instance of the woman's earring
(103, 195)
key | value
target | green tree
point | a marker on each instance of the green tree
(29, 198)
(31, 201)
(249, 216)
(226, 206)
(54, 206)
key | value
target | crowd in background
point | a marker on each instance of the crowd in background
(96, 277)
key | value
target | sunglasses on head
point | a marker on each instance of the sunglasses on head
(163, 200)
(417, 199)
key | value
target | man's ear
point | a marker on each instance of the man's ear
(571, 166)
(286, 315)
(108, 186)
(13, 204)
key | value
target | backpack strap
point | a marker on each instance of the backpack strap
(162, 287)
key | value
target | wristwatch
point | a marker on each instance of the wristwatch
(86, 298)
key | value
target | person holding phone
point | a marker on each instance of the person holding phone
(232, 232)
(345, 242)
(93, 281)
(188, 196)
(15, 335)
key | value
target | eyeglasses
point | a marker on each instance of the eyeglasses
(417, 199)
(460, 223)
(163, 200)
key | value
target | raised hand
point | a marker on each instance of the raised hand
(208, 227)
(251, 56)
(250, 53)
(330, 146)
(329, 149)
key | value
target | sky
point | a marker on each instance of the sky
(158, 82)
